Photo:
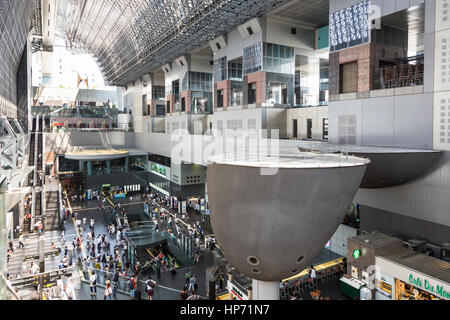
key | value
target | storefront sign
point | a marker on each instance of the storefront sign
(430, 286)
(160, 170)
(236, 292)
(417, 279)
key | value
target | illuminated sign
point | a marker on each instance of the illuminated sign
(356, 254)
(429, 286)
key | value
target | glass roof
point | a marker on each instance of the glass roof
(130, 38)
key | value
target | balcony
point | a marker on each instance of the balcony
(405, 73)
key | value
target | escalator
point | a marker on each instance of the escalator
(35, 178)
(40, 175)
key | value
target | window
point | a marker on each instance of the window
(219, 98)
(158, 93)
(293, 31)
(218, 46)
(220, 69)
(253, 58)
(349, 77)
(251, 93)
(183, 104)
(235, 71)
(278, 58)
(249, 30)
(309, 129)
(295, 128)
(347, 129)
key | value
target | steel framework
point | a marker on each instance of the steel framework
(130, 38)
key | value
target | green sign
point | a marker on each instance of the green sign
(356, 254)
(159, 169)
(427, 285)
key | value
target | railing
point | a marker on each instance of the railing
(122, 286)
(401, 75)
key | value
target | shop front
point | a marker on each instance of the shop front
(198, 204)
(413, 276)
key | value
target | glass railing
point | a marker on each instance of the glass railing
(161, 292)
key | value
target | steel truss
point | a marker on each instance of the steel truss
(14, 143)
(130, 38)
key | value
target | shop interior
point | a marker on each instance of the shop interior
(406, 291)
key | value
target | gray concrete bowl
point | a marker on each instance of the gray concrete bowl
(272, 227)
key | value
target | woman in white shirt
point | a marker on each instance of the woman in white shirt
(93, 284)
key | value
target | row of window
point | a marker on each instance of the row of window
(309, 129)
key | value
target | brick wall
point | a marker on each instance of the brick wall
(187, 95)
(260, 79)
(368, 57)
(171, 99)
(226, 87)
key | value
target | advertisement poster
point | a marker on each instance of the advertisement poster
(183, 207)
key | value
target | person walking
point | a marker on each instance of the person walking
(21, 242)
(187, 276)
(93, 284)
(192, 283)
(150, 288)
(313, 275)
(133, 287)
(108, 291)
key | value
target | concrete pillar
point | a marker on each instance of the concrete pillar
(3, 241)
(127, 163)
(108, 166)
(230, 280)
(262, 290)
(21, 214)
(41, 254)
(89, 168)
(146, 163)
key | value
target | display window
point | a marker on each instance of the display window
(404, 291)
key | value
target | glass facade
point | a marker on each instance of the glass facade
(68, 165)
(200, 81)
(235, 71)
(237, 95)
(158, 93)
(253, 58)
(279, 59)
(312, 83)
(139, 163)
(220, 69)
(201, 102)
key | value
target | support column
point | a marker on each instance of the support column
(41, 253)
(89, 168)
(146, 163)
(108, 166)
(127, 163)
(3, 241)
(262, 290)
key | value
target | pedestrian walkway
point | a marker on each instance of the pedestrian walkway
(18, 267)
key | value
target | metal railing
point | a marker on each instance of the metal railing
(122, 286)
(402, 75)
